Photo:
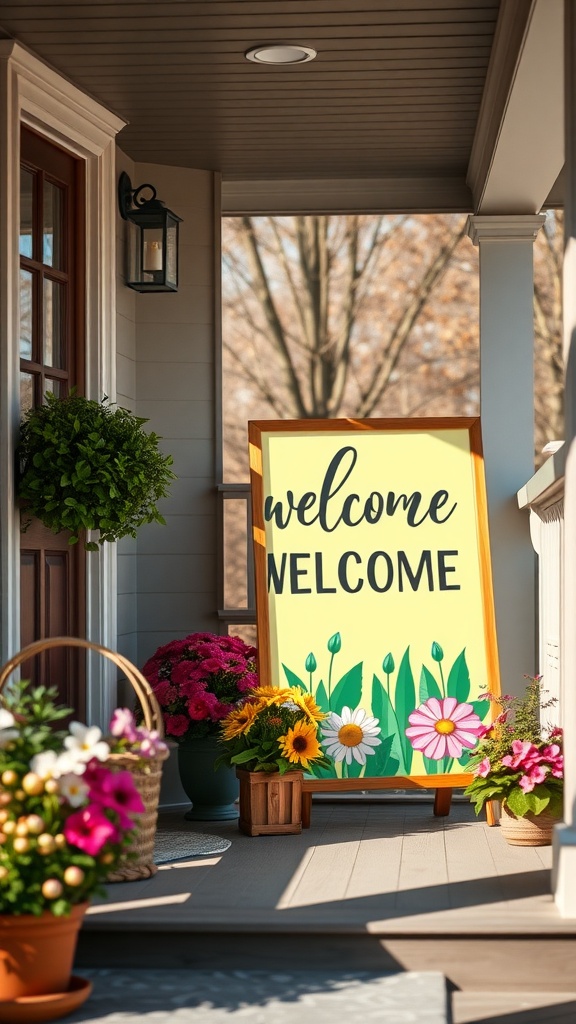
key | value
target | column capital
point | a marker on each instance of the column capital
(521, 227)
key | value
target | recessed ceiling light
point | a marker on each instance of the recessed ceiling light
(280, 53)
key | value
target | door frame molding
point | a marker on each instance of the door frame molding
(32, 93)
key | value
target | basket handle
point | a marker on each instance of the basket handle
(144, 692)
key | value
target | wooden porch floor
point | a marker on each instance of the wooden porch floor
(371, 885)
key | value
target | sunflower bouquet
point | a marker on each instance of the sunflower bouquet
(274, 730)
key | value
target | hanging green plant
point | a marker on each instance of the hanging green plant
(86, 465)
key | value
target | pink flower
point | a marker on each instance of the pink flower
(118, 792)
(484, 768)
(201, 707)
(441, 728)
(535, 775)
(89, 830)
(524, 755)
(150, 743)
(123, 725)
(165, 693)
(176, 725)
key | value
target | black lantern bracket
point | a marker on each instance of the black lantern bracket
(131, 198)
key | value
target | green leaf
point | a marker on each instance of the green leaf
(481, 708)
(518, 803)
(405, 705)
(428, 686)
(378, 763)
(293, 679)
(245, 755)
(348, 691)
(384, 712)
(354, 770)
(431, 766)
(458, 684)
(321, 697)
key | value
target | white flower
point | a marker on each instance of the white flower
(7, 734)
(352, 735)
(50, 765)
(85, 743)
(74, 789)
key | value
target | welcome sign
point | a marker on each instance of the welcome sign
(373, 587)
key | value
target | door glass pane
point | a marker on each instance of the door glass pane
(53, 324)
(26, 212)
(52, 247)
(25, 314)
(26, 392)
(57, 387)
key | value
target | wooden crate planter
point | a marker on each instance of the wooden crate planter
(270, 804)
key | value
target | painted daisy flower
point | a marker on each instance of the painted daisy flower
(350, 735)
(442, 728)
(300, 744)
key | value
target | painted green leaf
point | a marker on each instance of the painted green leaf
(348, 691)
(463, 761)
(384, 712)
(352, 770)
(432, 767)
(428, 686)
(405, 704)
(481, 708)
(378, 763)
(293, 679)
(459, 679)
(321, 773)
(321, 697)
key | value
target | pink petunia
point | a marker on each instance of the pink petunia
(89, 829)
(123, 725)
(484, 768)
(177, 725)
(118, 793)
(441, 728)
(524, 755)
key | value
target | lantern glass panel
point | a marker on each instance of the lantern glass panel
(172, 253)
(134, 254)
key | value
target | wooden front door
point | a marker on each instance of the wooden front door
(52, 589)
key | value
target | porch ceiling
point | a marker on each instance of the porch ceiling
(394, 92)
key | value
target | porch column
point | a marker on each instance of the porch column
(564, 870)
(507, 415)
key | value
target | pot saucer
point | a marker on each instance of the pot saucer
(30, 1009)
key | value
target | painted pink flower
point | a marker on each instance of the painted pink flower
(441, 728)
(123, 725)
(90, 829)
(177, 725)
(484, 768)
(118, 793)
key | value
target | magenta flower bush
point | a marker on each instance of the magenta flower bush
(519, 759)
(66, 818)
(198, 680)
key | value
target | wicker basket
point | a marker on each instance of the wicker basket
(146, 773)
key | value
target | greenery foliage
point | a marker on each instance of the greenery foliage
(87, 466)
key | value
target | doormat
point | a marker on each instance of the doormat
(172, 845)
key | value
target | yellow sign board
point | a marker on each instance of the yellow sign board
(373, 588)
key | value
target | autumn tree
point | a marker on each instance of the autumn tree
(331, 316)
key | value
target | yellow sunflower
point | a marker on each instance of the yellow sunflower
(239, 721)
(300, 744)
(308, 704)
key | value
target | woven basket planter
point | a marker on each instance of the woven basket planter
(530, 830)
(270, 803)
(146, 772)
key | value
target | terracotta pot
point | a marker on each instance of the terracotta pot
(531, 830)
(270, 803)
(36, 953)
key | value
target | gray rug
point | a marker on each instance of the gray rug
(186, 844)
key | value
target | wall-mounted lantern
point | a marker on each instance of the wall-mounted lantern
(152, 243)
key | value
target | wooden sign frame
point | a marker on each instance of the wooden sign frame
(258, 430)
